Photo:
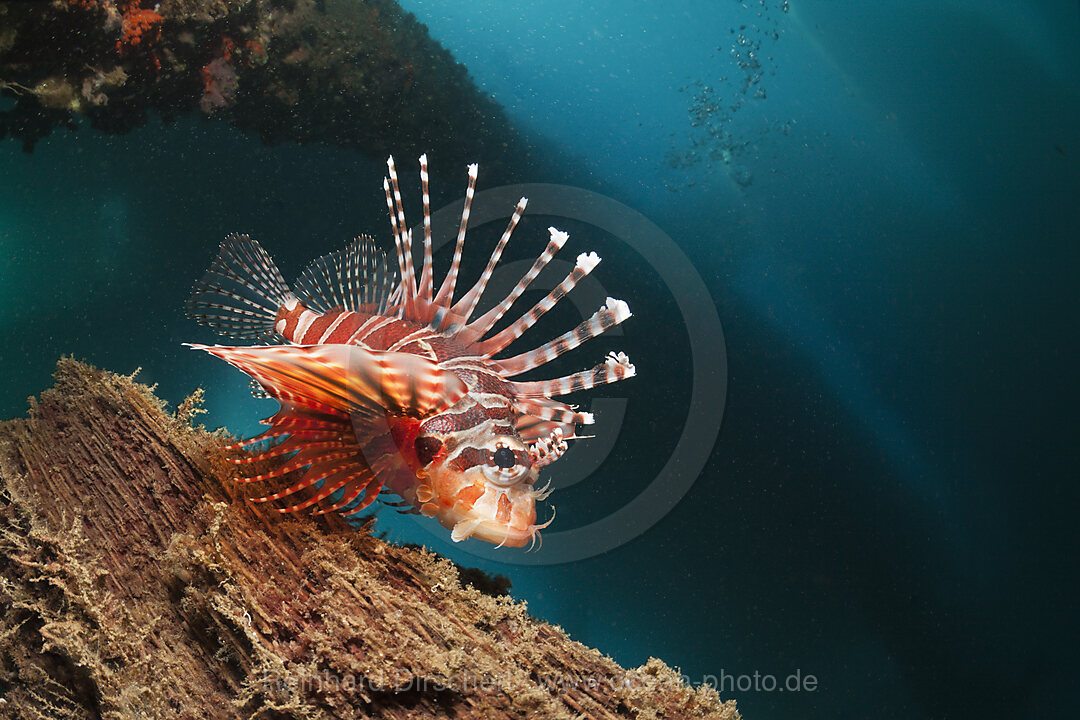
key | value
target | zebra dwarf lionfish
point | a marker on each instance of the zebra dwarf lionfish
(388, 386)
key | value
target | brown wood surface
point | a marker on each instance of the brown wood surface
(134, 583)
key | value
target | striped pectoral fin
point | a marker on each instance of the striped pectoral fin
(327, 485)
(347, 378)
(351, 502)
(294, 440)
(321, 463)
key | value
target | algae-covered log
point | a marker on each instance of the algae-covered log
(362, 74)
(133, 584)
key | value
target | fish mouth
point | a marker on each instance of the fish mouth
(504, 517)
(499, 534)
(496, 533)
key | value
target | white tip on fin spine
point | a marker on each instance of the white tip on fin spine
(618, 308)
(588, 261)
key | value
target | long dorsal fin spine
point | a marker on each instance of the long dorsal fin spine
(465, 307)
(616, 366)
(482, 325)
(352, 271)
(611, 314)
(408, 278)
(491, 346)
(426, 274)
(399, 251)
(445, 296)
(365, 291)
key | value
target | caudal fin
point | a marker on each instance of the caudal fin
(241, 293)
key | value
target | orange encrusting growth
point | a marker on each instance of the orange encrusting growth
(140, 26)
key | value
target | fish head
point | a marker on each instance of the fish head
(476, 475)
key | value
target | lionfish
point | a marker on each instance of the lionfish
(386, 385)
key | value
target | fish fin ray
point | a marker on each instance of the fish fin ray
(444, 298)
(585, 264)
(354, 278)
(480, 327)
(467, 304)
(611, 314)
(257, 390)
(535, 411)
(347, 378)
(616, 366)
(240, 294)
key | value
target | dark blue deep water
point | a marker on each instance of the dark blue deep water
(883, 200)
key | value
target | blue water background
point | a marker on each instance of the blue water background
(891, 236)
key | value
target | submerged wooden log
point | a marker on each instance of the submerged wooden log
(133, 584)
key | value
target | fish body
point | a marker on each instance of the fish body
(388, 386)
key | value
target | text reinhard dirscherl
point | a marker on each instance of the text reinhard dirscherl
(725, 682)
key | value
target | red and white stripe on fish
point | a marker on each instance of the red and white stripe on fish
(389, 386)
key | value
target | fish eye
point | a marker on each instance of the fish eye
(504, 458)
(502, 467)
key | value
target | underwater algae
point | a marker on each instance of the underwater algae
(135, 584)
